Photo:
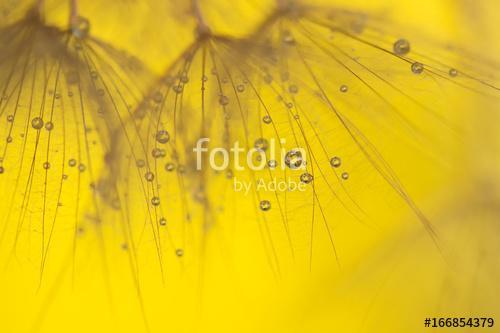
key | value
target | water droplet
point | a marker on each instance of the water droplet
(345, 175)
(170, 167)
(344, 88)
(163, 221)
(49, 126)
(162, 136)
(288, 38)
(9, 139)
(46, 165)
(158, 153)
(272, 164)
(335, 162)
(223, 100)
(401, 47)
(267, 119)
(240, 88)
(265, 205)
(80, 27)
(178, 88)
(306, 178)
(37, 123)
(293, 159)
(140, 163)
(417, 68)
(72, 162)
(149, 176)
(10, 118)
(293, 89)
(155, 201)
(179, 252)
(261, 144)
(453, 72)
(81, 167)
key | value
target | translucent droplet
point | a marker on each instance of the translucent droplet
(288, 39)
(265, 205)
(140, 163)
(293, 89)
(179, 252)
(72, 162)
(178, 88)
(240, 88)
(10, 118)
(149, 176)
(2, 170)
(417, 68)
(293, 159)
(46, 165)
(344, 88)
(81, 167)
(163, 221)
(37, 123)
(162, 136)
(223, 100)
(272, 164)
(158, 153)
(9, 139)
(335, 162)
(49, 126)
(170, 167)
(261, 144)
(306, 178)
(401, 47)
(155, 201)
(267, 119)
(345, 175)
(453, 72)
(80, 27)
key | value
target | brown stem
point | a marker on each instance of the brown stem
(73, 14)
(202, 27)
